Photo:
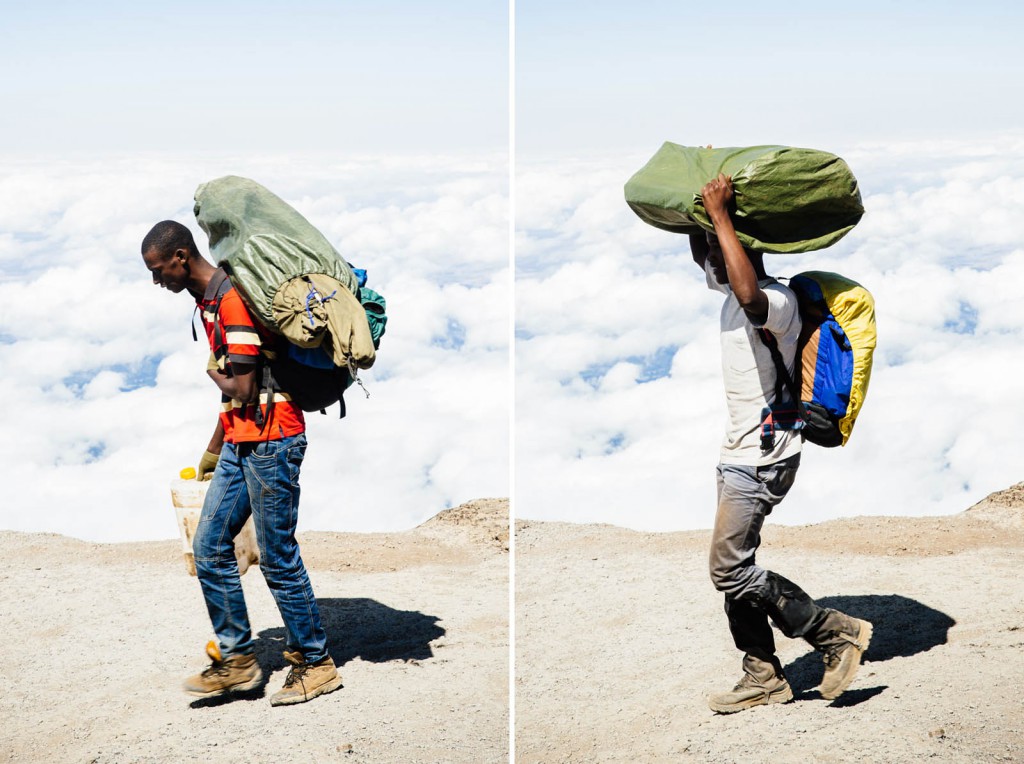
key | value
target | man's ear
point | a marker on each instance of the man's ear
(182, 255)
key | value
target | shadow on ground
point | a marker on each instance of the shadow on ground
(902, 627)
(356, 628)
(361, 628)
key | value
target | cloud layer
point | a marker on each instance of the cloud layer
(618, 396)
(619, 403)
(105, 390)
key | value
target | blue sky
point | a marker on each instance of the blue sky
(391, 76)
(606, 75)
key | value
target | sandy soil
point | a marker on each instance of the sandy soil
(100, 636)
(620, 636)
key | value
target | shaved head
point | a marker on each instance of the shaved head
(167, 236)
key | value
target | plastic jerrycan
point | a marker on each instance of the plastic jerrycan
(187, 495)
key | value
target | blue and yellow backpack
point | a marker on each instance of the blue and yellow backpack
(836, 346)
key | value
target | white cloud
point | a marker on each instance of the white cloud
(108, 396)
(618, 389)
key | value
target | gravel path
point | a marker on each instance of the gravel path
(100, 636)
(620, 637)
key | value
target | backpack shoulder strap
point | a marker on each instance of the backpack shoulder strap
(221, 285)
(783, 381)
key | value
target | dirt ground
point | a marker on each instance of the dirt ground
(620, 637)
(100, 637)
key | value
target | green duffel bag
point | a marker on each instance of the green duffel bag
(787, 199)
(289, 275)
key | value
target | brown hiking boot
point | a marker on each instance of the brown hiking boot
(763, 682)
(843, 644)
(306, 680)
(237, 673)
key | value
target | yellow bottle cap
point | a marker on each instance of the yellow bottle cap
(189, 473)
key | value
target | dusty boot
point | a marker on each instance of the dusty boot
(763, 682)
(306, 680)
(843, 641)
(234, 674)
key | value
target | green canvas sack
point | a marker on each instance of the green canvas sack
(271, 253)
(296, 284)
(787, 199)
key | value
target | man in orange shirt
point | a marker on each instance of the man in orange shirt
(255, 455)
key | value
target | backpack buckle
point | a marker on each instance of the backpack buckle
(778, 418)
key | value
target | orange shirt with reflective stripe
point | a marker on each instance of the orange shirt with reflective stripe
(242, 341)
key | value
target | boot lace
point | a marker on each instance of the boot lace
(216, 668)
(296, 675)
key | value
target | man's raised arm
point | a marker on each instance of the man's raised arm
(717, 195)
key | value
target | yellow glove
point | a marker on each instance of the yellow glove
(207, 464)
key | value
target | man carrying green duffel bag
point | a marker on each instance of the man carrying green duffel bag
(755, 473)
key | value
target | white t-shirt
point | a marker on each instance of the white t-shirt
(749, 372)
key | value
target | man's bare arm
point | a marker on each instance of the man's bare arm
(717, 195)
(241, 386)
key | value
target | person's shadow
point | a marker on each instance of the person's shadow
(362, 628)
(902, 627)
(356, 628)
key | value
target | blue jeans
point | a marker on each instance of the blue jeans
(261, 479)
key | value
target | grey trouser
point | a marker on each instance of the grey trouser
(746, 496)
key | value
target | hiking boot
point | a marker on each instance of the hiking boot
(843, 643)
(236, 673)
(306, 680)
(763, 682)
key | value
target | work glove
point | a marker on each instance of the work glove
(207, 464)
